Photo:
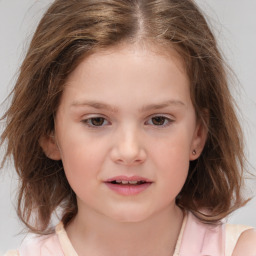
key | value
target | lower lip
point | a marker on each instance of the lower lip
(128, 190)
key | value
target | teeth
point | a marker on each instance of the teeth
(133, 182)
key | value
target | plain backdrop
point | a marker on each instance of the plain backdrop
(235, 27)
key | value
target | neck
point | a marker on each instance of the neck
(100, 235)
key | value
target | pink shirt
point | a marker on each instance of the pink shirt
(202, 239)
(195, 238)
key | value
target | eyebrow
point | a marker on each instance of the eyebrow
(162, 105)
(114, 109)
(94, 104)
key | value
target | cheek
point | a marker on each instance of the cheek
(78, 149)
(171, 157)
(81, 161)
(172, 150)
(81, 169)
(76, 166)
(175, 165)
(175, 168)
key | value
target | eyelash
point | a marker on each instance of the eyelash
(88, 122)
(167, 121)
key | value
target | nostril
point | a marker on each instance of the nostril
(128, 152)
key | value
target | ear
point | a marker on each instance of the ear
(50, 147)
(199, 139)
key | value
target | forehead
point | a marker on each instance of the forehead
(151, 52)
(129, 72)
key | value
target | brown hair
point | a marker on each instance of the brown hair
(73, 29)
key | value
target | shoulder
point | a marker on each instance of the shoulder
(12, 253)
(246, 244)
(41, 246)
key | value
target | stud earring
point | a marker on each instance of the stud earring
(194, 152)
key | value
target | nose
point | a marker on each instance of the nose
(128, 147)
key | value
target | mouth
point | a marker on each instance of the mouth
(126, 182)
(128, 185)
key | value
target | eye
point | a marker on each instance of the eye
(95, 122)
(159, 121)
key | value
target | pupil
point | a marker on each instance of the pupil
(97, 121)
(159, 120)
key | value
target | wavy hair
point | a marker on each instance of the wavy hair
(69, 31)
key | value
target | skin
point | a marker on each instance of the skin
(130, 88)
(246, 244)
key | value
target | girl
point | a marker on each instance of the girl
(122, 122)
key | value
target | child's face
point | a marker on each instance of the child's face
(126, 115)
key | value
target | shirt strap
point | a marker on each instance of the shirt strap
(65, 243)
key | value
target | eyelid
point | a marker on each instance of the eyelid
(166, 116)
(88, 118)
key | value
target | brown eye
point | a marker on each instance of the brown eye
(98, 121)
(95, 122)
(159, 120)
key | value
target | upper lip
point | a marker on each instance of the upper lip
(126, 178)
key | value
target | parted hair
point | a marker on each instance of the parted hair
(69, 31)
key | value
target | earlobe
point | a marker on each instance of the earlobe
(199, 139)
(49, 145)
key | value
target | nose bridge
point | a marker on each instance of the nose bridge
(128, 145)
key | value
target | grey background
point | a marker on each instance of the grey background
(235, 26)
